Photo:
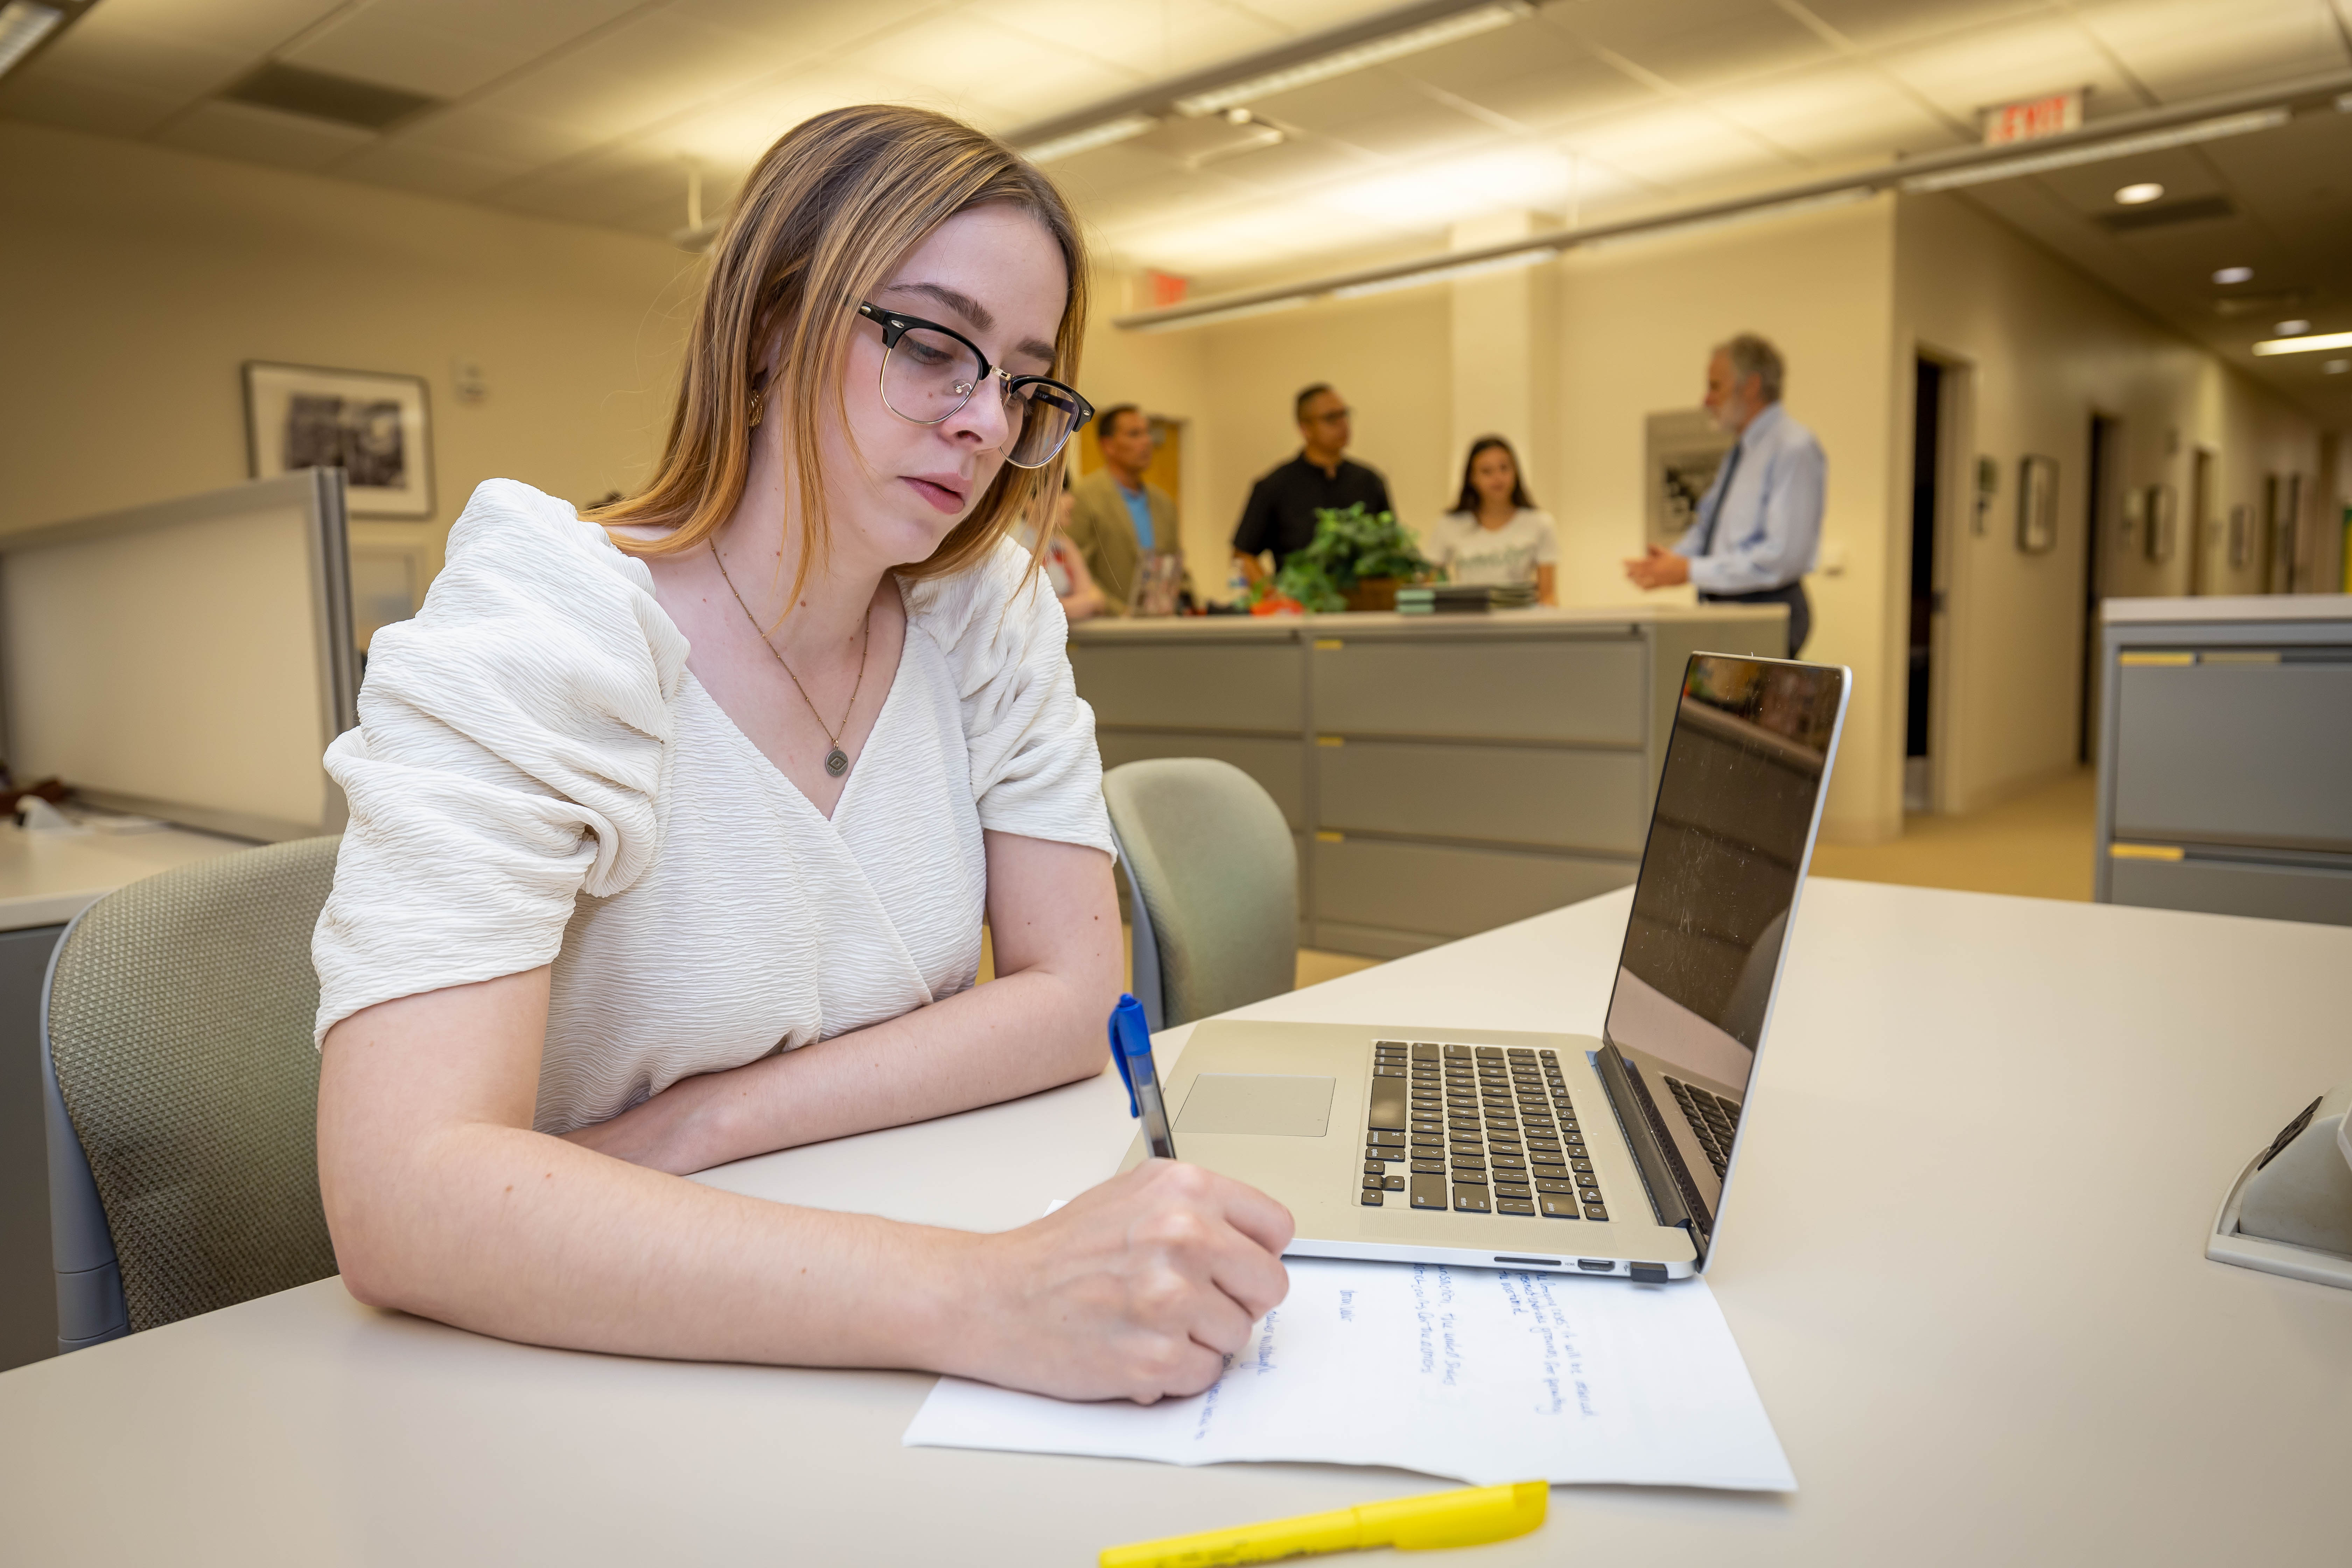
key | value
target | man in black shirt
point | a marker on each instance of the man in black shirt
(1280, 515)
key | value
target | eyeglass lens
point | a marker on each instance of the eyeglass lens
(928, 375)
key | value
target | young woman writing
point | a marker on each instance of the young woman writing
(1495, 534)
(672, 832)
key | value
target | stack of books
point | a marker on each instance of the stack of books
(1463, 598)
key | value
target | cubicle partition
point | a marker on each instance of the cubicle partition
(188, 660)
(1441, 775)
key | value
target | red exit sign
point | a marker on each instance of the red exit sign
(2030, 117)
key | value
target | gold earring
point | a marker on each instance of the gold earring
(759, 405)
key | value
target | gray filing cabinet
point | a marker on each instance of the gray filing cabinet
(2225, 758)
(1443, 775)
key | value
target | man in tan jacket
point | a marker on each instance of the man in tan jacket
(1120, 516)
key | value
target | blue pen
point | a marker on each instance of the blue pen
(1130, 1049)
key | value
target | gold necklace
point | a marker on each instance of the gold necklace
(836, 761)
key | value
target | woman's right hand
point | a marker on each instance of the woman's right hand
(1137, 1288)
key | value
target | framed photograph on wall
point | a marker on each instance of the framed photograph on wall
(374, 427)
(2037, 504)
(2163, 521)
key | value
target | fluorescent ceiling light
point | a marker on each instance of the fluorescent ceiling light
(1511, 263)
(2099, 152)
(23, 25)
(2139, 194)
(2234, 275)
(2304, 345)
(2335, 367)
(1354, 58)
(1125, 128)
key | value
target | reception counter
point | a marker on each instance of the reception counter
(1444, 774)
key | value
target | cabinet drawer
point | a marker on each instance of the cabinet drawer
(1277, 764)
(1497, 688)
(1194, 685)
(1510, 794)
(2236, 754)
(1447, 891)
(2317, 894)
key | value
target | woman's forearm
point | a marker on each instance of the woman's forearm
(1015, 1035)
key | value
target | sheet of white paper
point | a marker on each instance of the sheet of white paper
(1483, 1375)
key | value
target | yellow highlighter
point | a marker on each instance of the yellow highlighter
(1470, 1517)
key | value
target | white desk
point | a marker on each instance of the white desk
(1965, 1264)
(47, 878)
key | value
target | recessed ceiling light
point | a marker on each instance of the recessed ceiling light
(2134, 196)
(2336, 367)
(2291, 329)
(2234, 275)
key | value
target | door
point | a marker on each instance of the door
(1927, 483)
(2206, 540)
(2098, 509)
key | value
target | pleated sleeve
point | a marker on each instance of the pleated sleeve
(513, 743)
(1030, 737)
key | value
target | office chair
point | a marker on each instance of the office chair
(1215, 878)
(181, 1093)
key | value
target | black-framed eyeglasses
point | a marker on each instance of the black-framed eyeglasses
(929, 372)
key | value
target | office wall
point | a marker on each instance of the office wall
(140, 278)
(1637, 321)
(2041, 348)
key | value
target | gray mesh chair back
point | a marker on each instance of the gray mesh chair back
(182, 1093)
(1215, 878)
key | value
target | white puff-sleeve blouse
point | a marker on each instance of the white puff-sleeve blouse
(537, 778)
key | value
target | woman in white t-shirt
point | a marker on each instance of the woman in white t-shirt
(672, 829)
(1495, 534)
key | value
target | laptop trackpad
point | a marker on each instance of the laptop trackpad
(1262, 1103)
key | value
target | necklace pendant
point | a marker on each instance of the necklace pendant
(836, 761)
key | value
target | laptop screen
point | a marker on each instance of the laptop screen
(1729, 839)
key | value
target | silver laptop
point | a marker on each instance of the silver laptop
(1558, 1152)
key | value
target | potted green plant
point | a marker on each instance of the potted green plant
(1356, 562)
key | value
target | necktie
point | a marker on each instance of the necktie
(1722, 494)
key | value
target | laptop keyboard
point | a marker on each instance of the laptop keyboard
(1477, 1129)
(1711, 1117)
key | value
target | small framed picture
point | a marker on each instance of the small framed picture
(2242, 537)
(2163, 521)
(2037, 504)
(375, 427)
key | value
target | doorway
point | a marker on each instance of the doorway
(2099, 472)
(1926, 485)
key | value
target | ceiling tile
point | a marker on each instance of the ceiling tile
(429, 169)
(602, 188)
(1965, 72)
(1873, 23)
(1441, 190)
(1839, 111)
(1671, 145)
(1169, 39)
(2090, 189)
(253, 27)
(262, 135)
(532, 26)
(974, 62)
(143, 61)
(811, 27)
(1559, 96)
(382, 47)
(2184, 49)
(1695, 43)
(96, 107)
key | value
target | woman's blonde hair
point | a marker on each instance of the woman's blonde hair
(815, 230)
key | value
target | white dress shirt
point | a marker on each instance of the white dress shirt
(1767, 529)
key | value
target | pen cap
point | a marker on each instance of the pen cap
(1466, 1518)
(1129, 1037)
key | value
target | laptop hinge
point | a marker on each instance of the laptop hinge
(1653, 1155)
